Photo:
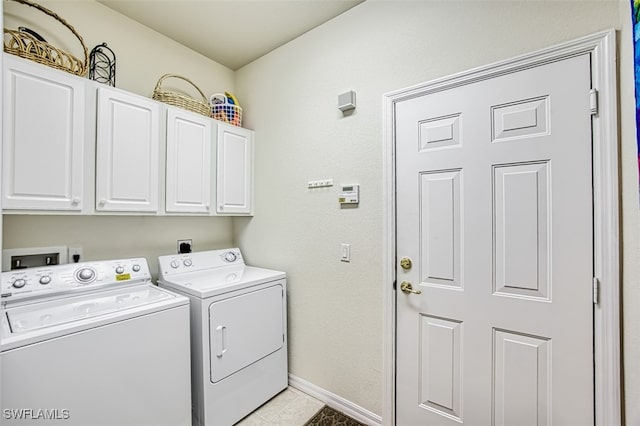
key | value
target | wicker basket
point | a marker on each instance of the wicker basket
(27, 46)
(179, 100)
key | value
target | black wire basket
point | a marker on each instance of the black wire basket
(102, 65)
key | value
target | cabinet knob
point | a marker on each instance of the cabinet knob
(75, 201)
(103, 202)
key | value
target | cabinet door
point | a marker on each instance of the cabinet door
(188, 175)
(128, 131)
(234, 192)
(43, 136)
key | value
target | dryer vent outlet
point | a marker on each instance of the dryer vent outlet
(184, 246)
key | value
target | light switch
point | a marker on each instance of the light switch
(346, 253)
(319, 183)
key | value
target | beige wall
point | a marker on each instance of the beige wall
(142, 57)
(142, 54)
(113, 237)
(290, 98)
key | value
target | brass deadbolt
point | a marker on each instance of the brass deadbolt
(405, 263)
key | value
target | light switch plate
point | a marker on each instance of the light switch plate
(319, 183)
(345, 254)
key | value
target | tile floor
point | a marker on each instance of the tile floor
(289, 408)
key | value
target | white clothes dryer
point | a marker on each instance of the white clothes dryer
(93, 344)
(238, 332)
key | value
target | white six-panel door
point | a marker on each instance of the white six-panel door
(494, 209)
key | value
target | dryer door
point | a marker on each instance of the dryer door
(244, 329)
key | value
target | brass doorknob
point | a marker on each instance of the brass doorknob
(407, 288)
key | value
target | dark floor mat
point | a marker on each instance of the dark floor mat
(330, 417)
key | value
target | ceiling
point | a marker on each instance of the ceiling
(231, 32)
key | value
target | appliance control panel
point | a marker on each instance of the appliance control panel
(48, 280)
(198, 261)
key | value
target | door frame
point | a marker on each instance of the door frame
(607, 350)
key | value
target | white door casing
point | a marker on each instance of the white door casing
(600, 50)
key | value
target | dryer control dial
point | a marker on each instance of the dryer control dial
(45, 279)
(174, 264)
(187, 262)
(19, 283)
(230, 257)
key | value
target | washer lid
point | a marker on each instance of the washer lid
(56, 312)
(216, 281)
(23, 324)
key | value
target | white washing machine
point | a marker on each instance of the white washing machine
(93, 344)
(238, 332)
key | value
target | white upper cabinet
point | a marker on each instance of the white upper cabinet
(43, 137)
(188, 169)
(234, 192)
(71, 145)
(127, 152)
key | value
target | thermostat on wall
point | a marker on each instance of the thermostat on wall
(350, 194)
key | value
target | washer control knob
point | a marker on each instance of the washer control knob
(85, 275)
(119, 270)
(19, 283)
(45, 279)
(187, 262)
(136, 268)
(174, 264)
(230, 256)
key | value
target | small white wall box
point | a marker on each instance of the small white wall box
(33, 257)
(350, 194)
(347, 101)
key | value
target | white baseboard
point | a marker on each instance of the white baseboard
(336, 402)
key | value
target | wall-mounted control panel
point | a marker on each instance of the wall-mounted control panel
(349, 194)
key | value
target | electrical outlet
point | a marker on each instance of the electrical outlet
(75, 255)
(184, 246)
